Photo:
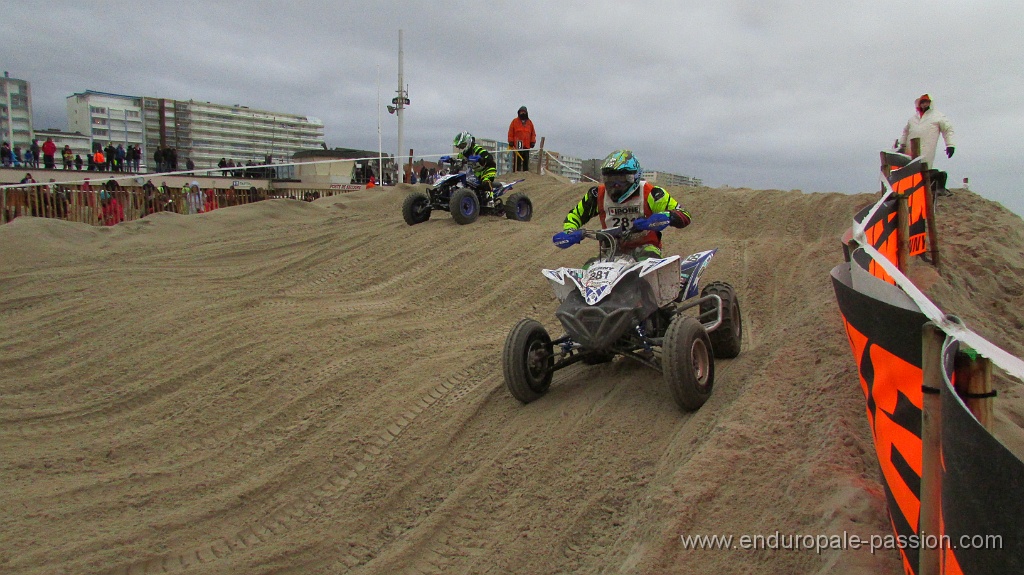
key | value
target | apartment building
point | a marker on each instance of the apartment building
(106, 118)
(669, 179)
(209, 132)
(560, 164)
(202, 131)
(15, 111)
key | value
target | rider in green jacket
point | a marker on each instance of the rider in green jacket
(484, 166)
(623, 198)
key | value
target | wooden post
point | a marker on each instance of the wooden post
(3, 206)
(932, 339)
(902, 231)
(929, 206)
(540, 156)
(886, 169)
(974, 385)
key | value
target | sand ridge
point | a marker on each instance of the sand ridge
(295, 387)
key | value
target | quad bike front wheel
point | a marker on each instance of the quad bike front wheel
(416, 208)
(519, 207)
(726, 340)
(465, 206)
(687, 363)
(526, 360)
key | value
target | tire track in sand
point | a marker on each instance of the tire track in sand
(317, 499)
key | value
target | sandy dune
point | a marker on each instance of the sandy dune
(289, 387)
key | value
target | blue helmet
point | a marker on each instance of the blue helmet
(622, 174)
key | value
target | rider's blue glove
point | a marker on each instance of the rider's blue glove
(655, 222)
(567, 238)
(474, 158)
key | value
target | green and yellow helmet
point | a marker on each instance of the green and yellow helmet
(621, 173)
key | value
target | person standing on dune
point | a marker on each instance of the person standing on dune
(927, 124)
(521, 138)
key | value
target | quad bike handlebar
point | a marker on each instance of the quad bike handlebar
(610, 237)
(453, 160)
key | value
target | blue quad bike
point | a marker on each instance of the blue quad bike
(618, 306)
(461, 193)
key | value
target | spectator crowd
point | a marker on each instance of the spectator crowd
(118, 159)
(111, 203)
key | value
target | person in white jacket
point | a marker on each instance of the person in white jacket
(927, 124)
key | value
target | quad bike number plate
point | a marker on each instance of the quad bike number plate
(598, 280)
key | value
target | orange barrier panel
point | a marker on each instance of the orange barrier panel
(886, 344)
(881, 230)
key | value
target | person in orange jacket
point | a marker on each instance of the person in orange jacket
(521, 138)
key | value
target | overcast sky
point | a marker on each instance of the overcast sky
(772, 95)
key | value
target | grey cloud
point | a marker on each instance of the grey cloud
(777, 95)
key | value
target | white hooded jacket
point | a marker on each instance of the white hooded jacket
(927, 127)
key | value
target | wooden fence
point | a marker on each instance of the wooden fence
(77, 203)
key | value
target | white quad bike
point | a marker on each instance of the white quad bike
(619, 306)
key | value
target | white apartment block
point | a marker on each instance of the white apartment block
(560, 164)
(572, 168)
(202, 131)
(209, 132)
(15, 112)
(669, 179)
(106, 118)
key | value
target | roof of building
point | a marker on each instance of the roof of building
(96, 93)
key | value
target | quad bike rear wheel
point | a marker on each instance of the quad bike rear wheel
(687, 363)
(416, 208)
(465, 206)
(526, 360)
(519, 207)
(726, 340)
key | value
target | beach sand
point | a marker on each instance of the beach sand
(291, 387)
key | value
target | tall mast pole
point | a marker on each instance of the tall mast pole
(399, 108)
(380, 146)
